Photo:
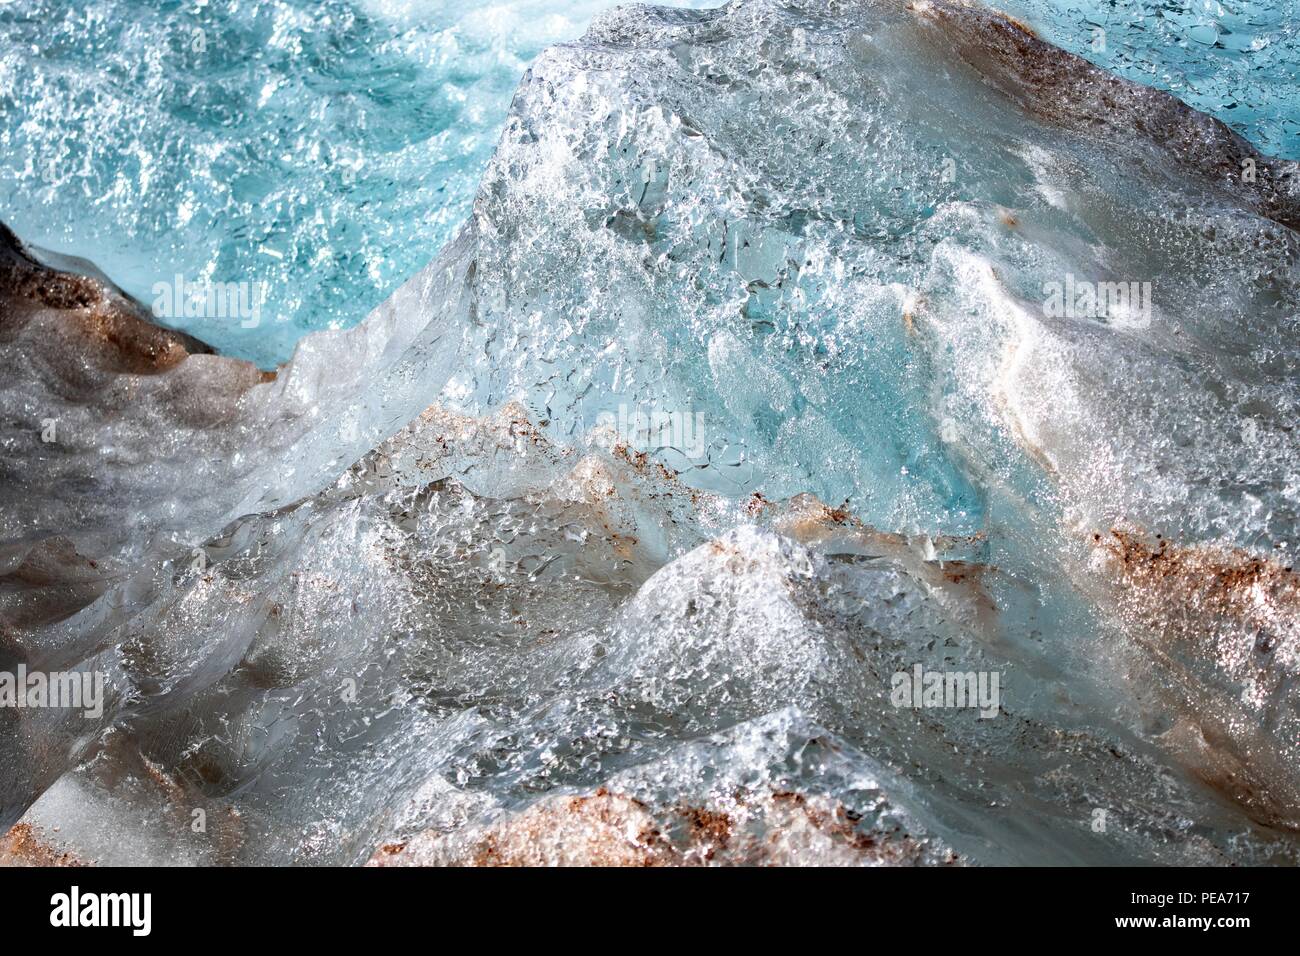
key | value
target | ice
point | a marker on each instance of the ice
(445, 605)
(323, 149)
(1234, 59)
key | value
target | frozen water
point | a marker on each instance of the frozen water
(740, 394)
(1238, 60)
(325, 150)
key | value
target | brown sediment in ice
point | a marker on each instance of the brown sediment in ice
(1207, 583)
(1216, 627)
(49, 583)
(1222, 623)
(1214, 757)
(632, 503)
(771, 828)
(114, 331)
(936, 562)
(1058, 87)
(172, 793)
(602, 829)
(24, 845)
(78, 333)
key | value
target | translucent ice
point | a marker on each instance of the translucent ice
(323, 149)
(749, 388)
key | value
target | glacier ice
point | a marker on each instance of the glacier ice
(323, 149)
(422, 596)
(1234, 60)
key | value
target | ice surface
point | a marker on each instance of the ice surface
(326, 149)
(448, 606)
(1238, 60)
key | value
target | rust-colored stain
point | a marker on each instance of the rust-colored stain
(611, 829)
(125, 338)
(1058, 87)
(1211, 614)
(1221, 580)
(22, 847)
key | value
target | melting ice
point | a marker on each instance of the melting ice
(415, 597)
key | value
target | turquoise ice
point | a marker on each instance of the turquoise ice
(322, 152)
